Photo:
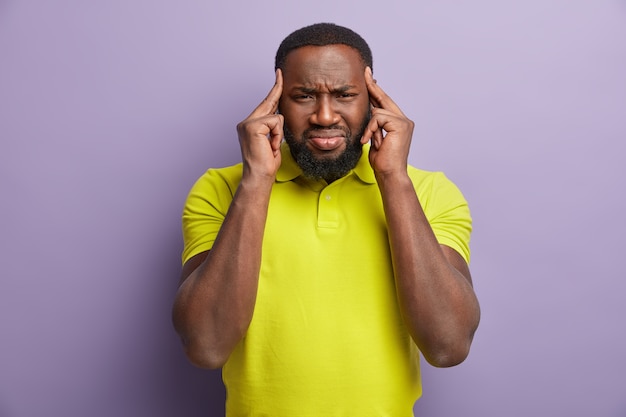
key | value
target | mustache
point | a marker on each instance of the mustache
(312, 131)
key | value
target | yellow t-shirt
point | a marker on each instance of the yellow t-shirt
(326, 337)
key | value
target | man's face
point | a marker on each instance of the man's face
(326, 107)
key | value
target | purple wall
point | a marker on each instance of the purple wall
(109, 111)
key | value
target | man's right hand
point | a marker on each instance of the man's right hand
(260, 135)
(215, 302)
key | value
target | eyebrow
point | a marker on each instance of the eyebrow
(335, 90)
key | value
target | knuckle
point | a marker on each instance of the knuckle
(245, 127)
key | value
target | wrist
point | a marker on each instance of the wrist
(256, 182)
(393, 178)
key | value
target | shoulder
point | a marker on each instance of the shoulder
(205, 208)
(218, 180)
(230, 175)
(446, 209)
(433, 183)
(215, 188)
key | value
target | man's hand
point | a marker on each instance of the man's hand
(215, 301)
(433, 283)
(261, 133)
(389, 130)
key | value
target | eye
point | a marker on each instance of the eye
(346, 96)
(303, 97)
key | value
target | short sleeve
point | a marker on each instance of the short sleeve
(205, 209)
(448, 212)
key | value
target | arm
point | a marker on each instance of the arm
(433, 281)
(215, 301)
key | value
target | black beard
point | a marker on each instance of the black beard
(328, 169)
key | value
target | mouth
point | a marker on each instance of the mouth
(326, 140)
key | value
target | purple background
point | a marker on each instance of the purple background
(110, 110)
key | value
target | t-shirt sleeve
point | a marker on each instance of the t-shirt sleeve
(448, 213)
(205, 208)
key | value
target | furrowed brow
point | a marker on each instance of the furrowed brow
(306, 90)
(335, 90)
(342, 89)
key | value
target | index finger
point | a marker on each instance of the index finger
(269, 105)
(378, 97)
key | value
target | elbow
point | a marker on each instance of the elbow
(450, 347)
(202, 349)
(204, 357)
(448, 351)
(206, 362)
(447, 357)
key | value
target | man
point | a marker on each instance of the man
(315, 271)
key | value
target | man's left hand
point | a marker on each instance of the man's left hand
(389, 130)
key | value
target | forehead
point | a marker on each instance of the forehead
(331, 63)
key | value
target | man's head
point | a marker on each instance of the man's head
(325, 101)
(323, 34)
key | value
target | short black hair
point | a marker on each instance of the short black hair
(322, 34)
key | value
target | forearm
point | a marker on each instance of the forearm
(214, 305)
(437, 301)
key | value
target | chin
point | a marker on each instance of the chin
(327, 155)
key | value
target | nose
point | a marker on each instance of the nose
(325, 114)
